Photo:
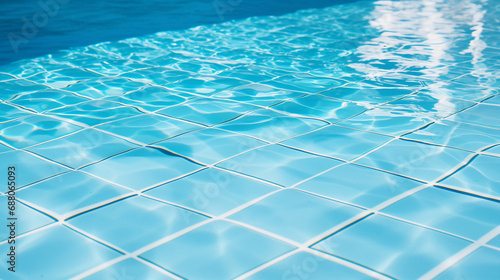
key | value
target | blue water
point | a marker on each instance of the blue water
(31, 28)
(357, 140)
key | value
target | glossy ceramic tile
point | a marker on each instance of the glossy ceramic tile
(210, 246)
(479, 175)
(296, 215)
(359, 185)
(416, 160)
(482, 264)
(398, 249)
(339, 142)
(279, 164)
(154, 166)
(147, 221)
(210, 145)
(212, 191)
(307, 266)
(454, 212)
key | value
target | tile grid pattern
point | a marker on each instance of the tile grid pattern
(301, 246)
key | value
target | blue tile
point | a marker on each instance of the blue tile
(366, 95)
(95, 112)
(317, 106)
(208, 111)
(46, 253)
(417, 160)
(10, 112)
(397, 249)
(279, 164)
(211, 191)
(271, 126)
(459, 135)
(480, 175)
(146, 221)
(210, 145)
(70, 192)
(128, 269)
(495, 241)
(457, 213)
(339, 142)
(28, 219)
(148, 128)
(16, 87)
(29, 168)
(152, 98)
(480, 264)
(206, 85)
(494, 150)
(307, 266)
(82, 148)
(142, 168)
(359, 185)
(29, 131)
(212, 247)
(48, 99)
(482, 114)
(258, 94)
(106, 86)
(296, 215)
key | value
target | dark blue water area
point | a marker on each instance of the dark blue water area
(32, 28)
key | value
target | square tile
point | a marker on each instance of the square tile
(148, 128)
(454, 212)
(64, 77)
(258, 94)
(305, 82)
(482, 114)
(46, 252)
(10, 112)
(210, 145)
(48, 99)
(296, 215)
(70, 192)
(106, 86)
(128, 269)
(480, 264)
(495, 242)
(211, 191)
(317, 106)
(360, 185)
(95, 112)
(32, 130)
(383, 120)
(82, 148)
(304, 265)
(28, 219)
(15, 87)
(494, 150)
(279, 164)
(142, 168)
(29, 168)
(156, 75)
(208, 111)
(459, 135)
(212, 247)
(152, 98)
(206, 85)
(398, 249)
(339, 142)
(146, 221)
(366, 95)
(272, 126)
(416, 160)
(479, 175)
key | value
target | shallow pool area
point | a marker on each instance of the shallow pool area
(356, 141)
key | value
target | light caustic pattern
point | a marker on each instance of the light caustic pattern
(356, 141)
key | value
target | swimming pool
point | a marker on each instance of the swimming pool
(355, 141)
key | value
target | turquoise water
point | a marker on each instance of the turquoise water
(356, 141)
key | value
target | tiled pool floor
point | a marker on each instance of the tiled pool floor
(356, 141)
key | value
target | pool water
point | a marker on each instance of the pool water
(356, 141)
